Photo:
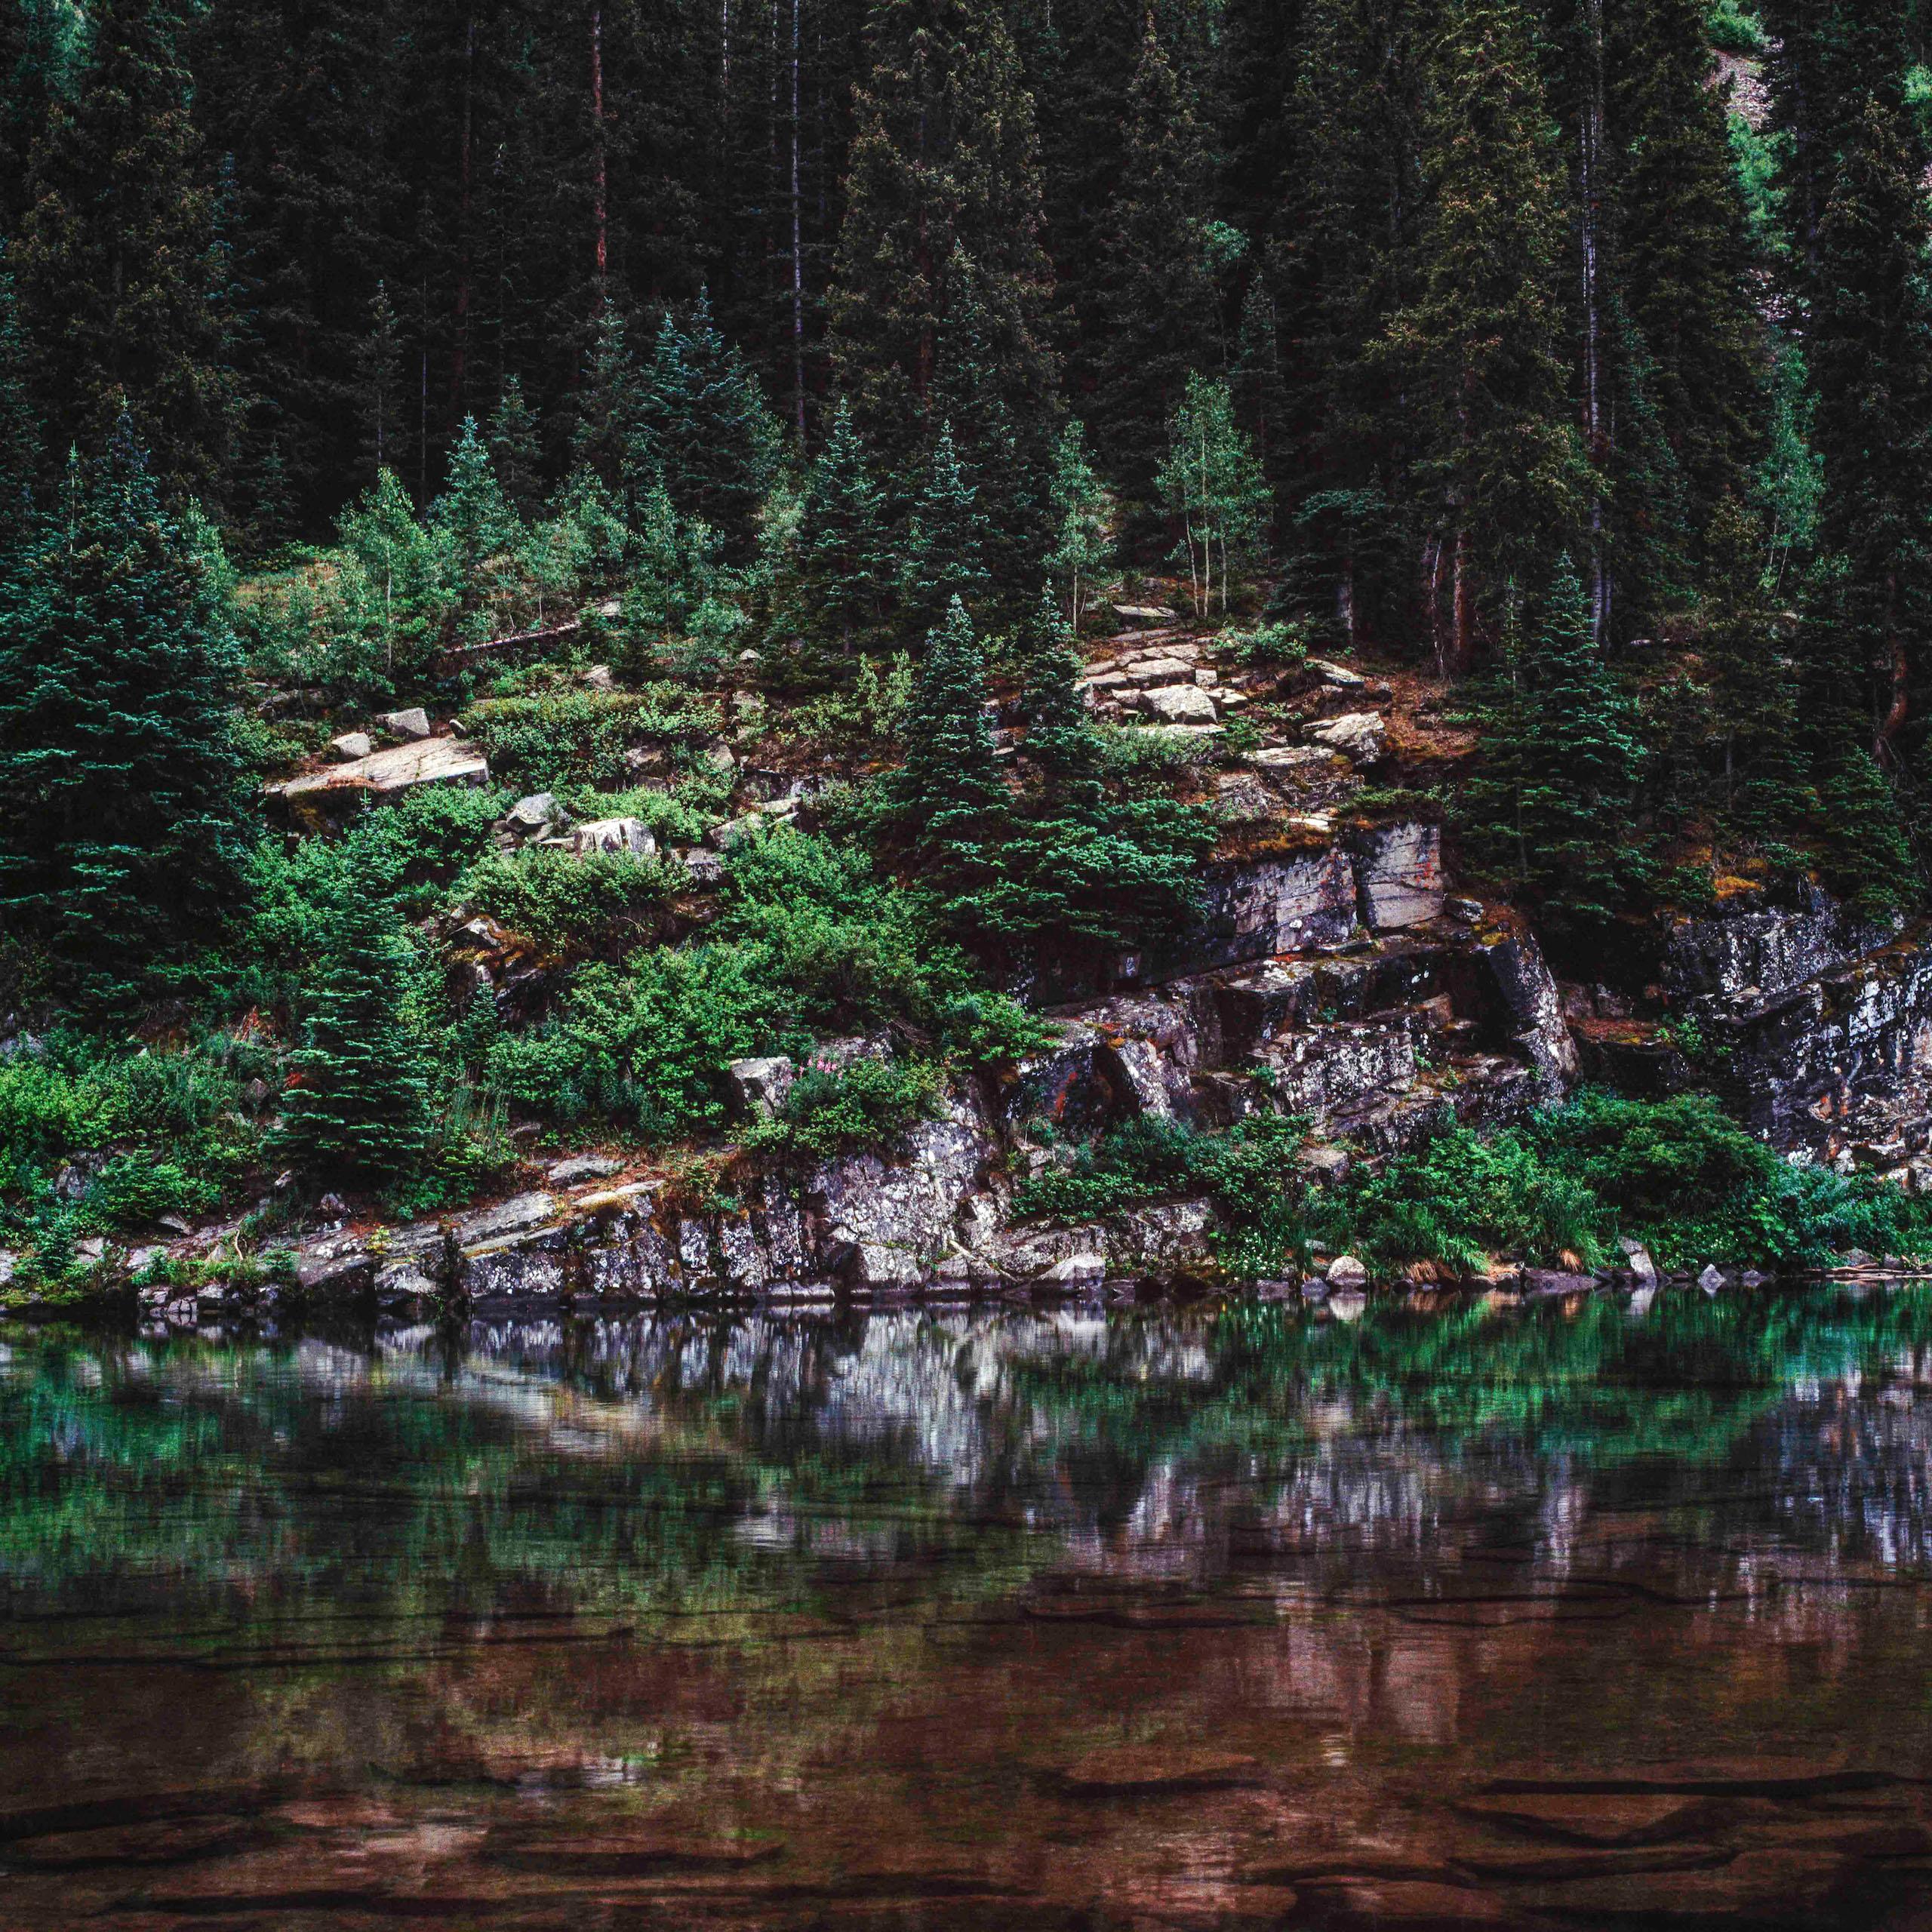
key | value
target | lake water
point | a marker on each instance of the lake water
(987, 1621)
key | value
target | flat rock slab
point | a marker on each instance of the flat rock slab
(1556, 1864)
(1756, 1890)
(1609, 1819)
(400, 768)
(1154, 1771)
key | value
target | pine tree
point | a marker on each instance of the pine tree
(1682, 268)
(358, 1105)
(715, 439)
(1870, 859)
(609, 439)
(120, 781)
(946, 549)
(1869, 348)
(20, 428)
(1155, 298)
(847, 575)
(1078, 867)
(378, 382)
(515, 449)
(116, 261)
(951, 798)
(473, 508)
(943, 159)
(1480, 346)
(1562, 767)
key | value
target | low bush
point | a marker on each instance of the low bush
(555, 740)
(869, 1104)
(568, 902)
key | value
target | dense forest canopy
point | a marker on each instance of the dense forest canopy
(1578, 352)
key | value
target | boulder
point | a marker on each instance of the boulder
(1179, 704)
(352, 745)
(631, 835)
(1361, 736)
(1346, 1271)
(413, 723)
(1337, 677)
(598, 678)
(538, 815)
(387, 773)
(1144, 614)
(1077, 1269)
(1154, 673)
(760, 1087)
(579, 1168)
(1399, 868)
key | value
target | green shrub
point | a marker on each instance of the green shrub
(1736, 28)
(569, 903)
(556, 739)
(869, 1104)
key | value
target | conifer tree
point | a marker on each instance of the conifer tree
(1869, 348)
(945, 548)
(1563, 764)
(473, 508)
(515, 449)
(1870, 859)
(1078, 866)
(358, 1105)
(378, 380)
(943, 157)
(1682, 268)
(116, 261)
(20, 428)
(951, 799)
(715, 440)
(846, 575)
(609, 439)
(1155, 296)
(1754, 706)
(1481, 345)
(120, 781)
(1214, 493)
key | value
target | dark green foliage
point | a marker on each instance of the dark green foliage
(120, 777)
(116, 261)
(515, 451)
(1694, 1186)
(358, 1103)
(1479, 344)
(571, 903)
(1562, 765)
(845, 563)
(579, 737)
(943, 163)
(608, 439)
(1249, 1172)
(473, 508)
(1154, 296)
(1870, 857)
(713, 439)
(866, 1106)
(950, 794)
(945, 546)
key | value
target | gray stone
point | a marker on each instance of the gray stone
(413, 723)
(1711, 1280)
(1637, 1258)
(629, 835)
(1399, 867)
(706, 869)
(1084, 1267)
(598, 678)
(760, 1087)
(516, 1215)
(579, 1168)
(352, 745)
(536, 815)
(385, 774)
(1156, 673)
(1144, 614)
(1337, 677)
(1346, 1271)
(1179, 704)
(1361, 736)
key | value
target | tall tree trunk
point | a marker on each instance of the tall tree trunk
(1462, 622)
(599, 183)
(797, 250)
(459, 352)
(1590, 126)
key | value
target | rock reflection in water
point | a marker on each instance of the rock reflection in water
(1579, 1616)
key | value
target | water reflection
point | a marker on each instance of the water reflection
(974, 1618)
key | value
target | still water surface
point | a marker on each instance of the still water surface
(1565, 1616)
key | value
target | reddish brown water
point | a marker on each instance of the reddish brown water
(1569, 1617)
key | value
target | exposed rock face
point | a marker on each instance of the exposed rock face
(1361, 736)
(1332, 991)
(1760, 952)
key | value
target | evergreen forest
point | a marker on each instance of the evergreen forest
(734, 426)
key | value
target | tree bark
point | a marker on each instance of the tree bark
(600, 182)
